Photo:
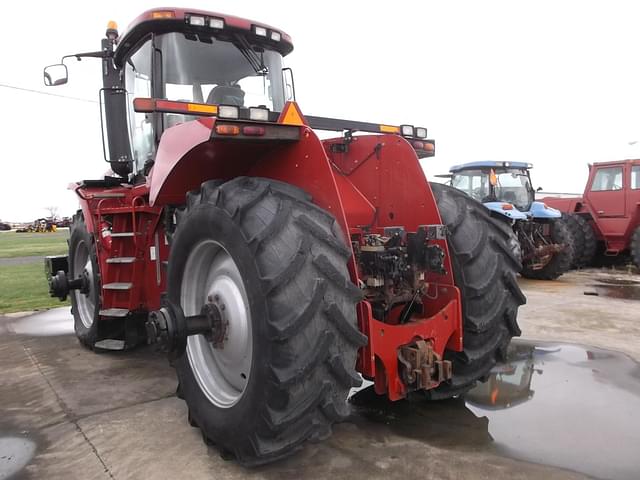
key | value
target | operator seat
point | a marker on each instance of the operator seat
(509, 197)
(226, 95)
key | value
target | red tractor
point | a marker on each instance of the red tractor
(608, 211)
(277, 269)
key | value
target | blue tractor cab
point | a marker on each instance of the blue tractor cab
(505, 189)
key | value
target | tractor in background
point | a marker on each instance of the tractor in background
(608, 212)
(546, 242)
(276, 269)
(41, 225)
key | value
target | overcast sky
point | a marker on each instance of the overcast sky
(550, 82)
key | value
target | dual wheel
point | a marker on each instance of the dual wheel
(274, 264)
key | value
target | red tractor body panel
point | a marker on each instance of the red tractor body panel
(130, 243)
(613, 210)
(376, 183)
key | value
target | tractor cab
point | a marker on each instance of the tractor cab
(195, 61)
(489, 181)
(504, 188)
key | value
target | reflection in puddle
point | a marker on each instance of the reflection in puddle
(510, 383)
(15, 453)
(563, 405)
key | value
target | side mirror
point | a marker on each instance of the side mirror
(55, 75)
(539, 189)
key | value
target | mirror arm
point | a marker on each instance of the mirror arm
(79, 56)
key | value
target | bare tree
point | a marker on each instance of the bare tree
(53, 212)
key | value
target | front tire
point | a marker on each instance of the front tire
(278, 263)
(85, 307)
(485, 264)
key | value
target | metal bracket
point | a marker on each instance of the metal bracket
(434, 232)
(394, 231)
(343, 147)
(421, 367)
(435, 259)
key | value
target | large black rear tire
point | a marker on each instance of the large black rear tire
(560, 262)
(85, 307)
(635, 247)
(485, 261)
(288, 260)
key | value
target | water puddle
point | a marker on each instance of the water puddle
(568, 406)
(617, 281)
(624, 292)
(15, 454)
(615, 287)
(54, 322)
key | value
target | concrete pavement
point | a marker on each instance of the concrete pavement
(70, 413)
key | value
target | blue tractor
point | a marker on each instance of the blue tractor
(546, 243)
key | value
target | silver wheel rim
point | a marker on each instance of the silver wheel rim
(84, 302)
(211, 275)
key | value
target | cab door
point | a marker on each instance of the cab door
(606, 197)
(607, 192)
(137, 74)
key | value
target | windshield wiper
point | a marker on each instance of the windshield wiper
(252, 57)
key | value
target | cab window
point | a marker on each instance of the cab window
(635, 177)
(138, 84)
(609, 178)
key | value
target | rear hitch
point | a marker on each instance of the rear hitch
(421, 367)
(169, 327)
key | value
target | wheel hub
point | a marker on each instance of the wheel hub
(217, 323)
(213, 288)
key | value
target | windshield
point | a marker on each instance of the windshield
(205, 70)
(511, 185)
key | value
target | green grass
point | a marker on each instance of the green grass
(14, 244)
(24, 287)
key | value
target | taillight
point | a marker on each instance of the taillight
(227, 129)
(252, 131)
